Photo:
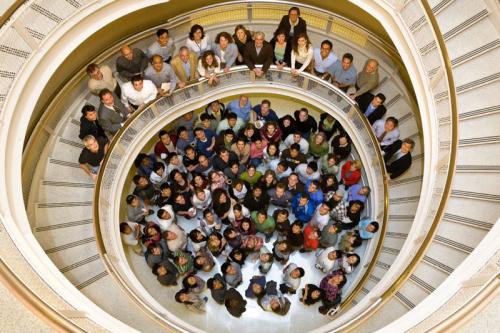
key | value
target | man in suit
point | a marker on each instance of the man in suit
(258, 53)
(398, 157)
(184, 66)
(292, 24)
(112, 113)
(372, 106)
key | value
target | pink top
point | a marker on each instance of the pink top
(255, 152)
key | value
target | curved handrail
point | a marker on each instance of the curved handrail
(360, 122)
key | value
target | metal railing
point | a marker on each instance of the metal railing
(140, 126)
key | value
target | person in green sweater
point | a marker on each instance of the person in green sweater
(251, 176)
(318, 146)
(264, 223)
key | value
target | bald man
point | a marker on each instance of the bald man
(131, 62)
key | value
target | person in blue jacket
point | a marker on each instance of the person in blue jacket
(302, 207)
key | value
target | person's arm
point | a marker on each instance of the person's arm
(86, 169)
(269, 57)
(201, 69)
(371, 84)
(308, 60)
(152, 91)
(247, 58)
(173, 79)
(124, 98)
(144, 60)
(231, 57)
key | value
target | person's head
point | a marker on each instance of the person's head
(371, 66)
(159, 270)
(127, 52)
(208, 215)
(343, 139)
(296, 227)
(125, 228)
(241, 32)
(221, 197)
(300, 41)
(200, 194)
(313, 186)
(91, 143)
(352, 259)
(180, 260)
(269, 177)
(293, 14)
(326, 48)
(251, 170)
(228, 269)
(162, 36)
(190, 152)
(294, 150)
(232, 119)
(245, 225)
(261, 216)
(333, 255)
(364, 190)
(356, 165)
(189, 281)
(184, 54)
(159, 168)
(223, 39)
(297, 273)
(238, 211)
(196, 33)
(282, 245)
(282, 215)
(182, 133)
(257, 191)
(304, 199)
(347, 59)
(355, 206)
(203, 160)
(265, 257)
(280, 190)
(140, 181)
(94, 72)
(208, 59)
(169, 235)
(331, 160)
(214, 283)
(234, 167)
(330, 180)
(280, 36)
(270, 127)
(311, 168)
(339, 195)
(179, 199)
(163, 214)
(259, 38)
(265, 106)
(293, 179)
(106, 97)
(257, 289)
(390, 124)
(314, 234)
(319, 138)
(182, 296)
(137, 82)
(303, 114)
(407, 145)
(199, 133)
(230, 234)
(240, 144)
(89, 112)
(166, 191)
(324, 209)
(228, 136)
(338, 280)
(164, 137)
(281, 167)
(378, 100)
(214, 177)
(152, 230)
(372, 227)
(157, 62)
(132, 200)
(155, 249)
(243, 100)
(176, 175)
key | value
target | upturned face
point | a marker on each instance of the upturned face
(163, 39)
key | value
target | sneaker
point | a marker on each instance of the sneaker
(333, 311)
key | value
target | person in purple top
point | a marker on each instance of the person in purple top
(358, 192)
(332, 286)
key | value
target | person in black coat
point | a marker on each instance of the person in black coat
(264, 58)
(235, 304)
(305, 123)
(398, 157)
(372, 106)
(293, 17)
(342, 146)
(89, 125)
(217, 286)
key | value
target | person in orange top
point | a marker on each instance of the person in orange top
(351, 173)
(311, 238)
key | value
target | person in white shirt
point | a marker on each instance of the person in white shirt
(295, 138)
(282, 170)
(163, 46)
(166, 217)
(307, 171)
(202, 199)
(323, 58)
(209, 67)
(158, 176)
(138, 92)
(387, 132)
(302, 54)
(321, 216)
(198, 42)
(328, 259)
(131, 233)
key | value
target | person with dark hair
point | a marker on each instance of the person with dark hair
(292, 275)
(264, 223)
(131, 233)
(302, 207)
(145, 164)
(307, 172)
(235, 303)
(293, 156)
(270, 132)
(232, 121)
(295, 237)
(259, 53)
(262, 112)
(164, 145)
(166, 273)
(151, 235)
(210, 222)
(328, 125)
(323, 58)
(163, 46)
(313, 189)
(328, 259)
(281, 250)
(204, 261)
(242, 36)
(182, 205)
(112, 114)
(330, 234)
(185, 138)
(292, 24)
(349, 262)
(387, 132)
(184, 66)
(256, 199)
(204, 166)
(193, 302)
(217, 287)
(209, 67)
(205, 142)
(343, 73)
(136, 209)
(216, 243)
(101, 77)
(216, 110)
(198, 42)
(232, 273)
(242, 150)
(398, 157)
(279, 196)
(287, 125)
(282, 49)
(131, 62)
(89, 125)
(256, 287)
(193, 283)
(166, 217)
(294, 185)
(197, 240)
(162, 75)
(332, 285)
(145, 190)
(341, 144)
(224, 159)
(184, 262)
(138, 92)
(305, 123)
(372, 106)
(226, 50)
(237, 255)
(233, 238)
(350, 241)
(273, 300)
(158, 176)
(311, 294)
(156, 253)
(302, 54)
(367, 228)
(321, 216)
(280, 216)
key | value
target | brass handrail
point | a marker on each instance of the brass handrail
(138, 113)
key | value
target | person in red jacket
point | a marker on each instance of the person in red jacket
(351, 173)
(311, 238)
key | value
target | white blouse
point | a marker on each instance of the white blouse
(303, 56)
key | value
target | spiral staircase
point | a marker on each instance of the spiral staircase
(435, 265)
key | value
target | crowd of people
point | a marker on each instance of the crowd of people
(247, 184)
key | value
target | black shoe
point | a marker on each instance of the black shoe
(302, 251)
